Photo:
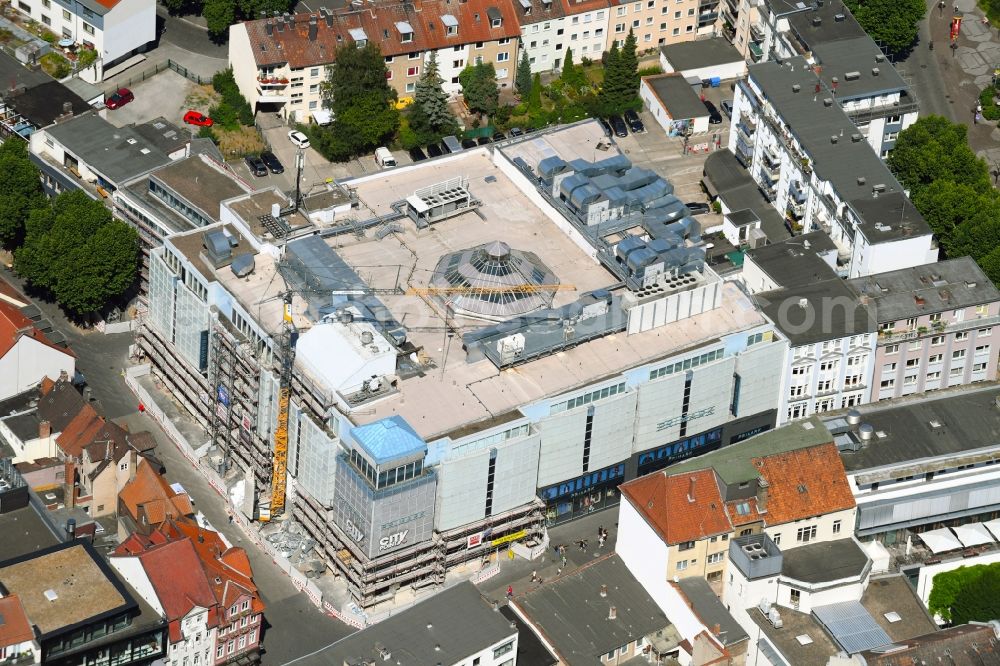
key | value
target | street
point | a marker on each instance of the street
(294, 626)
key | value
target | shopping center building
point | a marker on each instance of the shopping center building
(487, 344)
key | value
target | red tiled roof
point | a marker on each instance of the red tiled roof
(572, 7)
(177, 577)
(80, 431)
(683, 507)
(804, 483)
(11, 295)
(752, 515)
(379, 21)
(228, 568)
(151, 490)
(15, 627)
(14, 325)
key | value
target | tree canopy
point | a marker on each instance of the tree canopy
(620, 90)
(20, 191)
(891, 23)
(967, 594)
(479, 88)
(522, 80)
(361, 101)
(951, 188)
(75, 250)
(429, 116)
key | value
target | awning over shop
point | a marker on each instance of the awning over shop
(940, 541)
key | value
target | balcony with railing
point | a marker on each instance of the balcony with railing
(746, 126)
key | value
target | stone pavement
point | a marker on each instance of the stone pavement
(968, 69)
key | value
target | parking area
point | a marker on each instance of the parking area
(316, 169)
(165, 94)
(654, 150)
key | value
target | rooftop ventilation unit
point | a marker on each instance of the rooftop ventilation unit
(796, 87)
(866, 431)
(834, 138)
(856, 138)
(51, 595)
(839, 18)
(861, 180)
(875, 71)
(852, 76)
(827, 101)
(817, 21)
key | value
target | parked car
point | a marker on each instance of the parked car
(714, 117)
(698, 207)
(434, 150)
(606, 126)
(634, 123)
(618, 125)
(483, 140)
(272, 162)
(417, 155)
(119, 98)
(195, 118)
(451, 145)
(469, 143)
(299, 139)
(727, 107)
(256, 165)
(516, 131)
(499, 136)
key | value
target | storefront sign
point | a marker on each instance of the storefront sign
(750, 433)
(393, 540)
(246, 423)
(223, 394)
(353, 531)
(510, 537)
(474, 540)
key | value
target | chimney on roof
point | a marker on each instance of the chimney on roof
(328, 15)
(69, 483)
(263, 13)
(44, 429)
(63, 376)
(269, 27)
(201, 537)
(875, 71)
(613, 613)
(604, 591)
(281, 25)
(691, 489)
(313, 28)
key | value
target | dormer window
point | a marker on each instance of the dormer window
(526, 6)
(496, 18)
(450, 24)
(405, 32)
(359, 36)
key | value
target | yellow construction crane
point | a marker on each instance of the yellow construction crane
(279, 466)
(517, 289)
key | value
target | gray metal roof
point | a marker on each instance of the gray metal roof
(710, 610)
(829, 29)
(573, 615)
(852, 626)
(676, 95)
(830, 311)
(825, 133)
(910, 292)
(858, 55)
(825, 561)
(969, 420)
(794, 262)
(118, 153)
(701, 53)
(739, 191)
(447, 628)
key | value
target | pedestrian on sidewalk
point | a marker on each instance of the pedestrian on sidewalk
(941, 8)
(510, 591)
(600, 531)
(534, 576)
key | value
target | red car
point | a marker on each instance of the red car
(119, 98)
(194, 118)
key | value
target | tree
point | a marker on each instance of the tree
(535, 98)
(522, 80)
(361, 101)
(429, 115)
(967, 594)
(219, 15)
(620, 90)
(629, 63)
(933, 149)
(891, 23)
(480, 89)
(76, 251)
(20, 191)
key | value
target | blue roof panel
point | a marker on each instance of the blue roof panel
(388, 439)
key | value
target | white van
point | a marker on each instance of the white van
(384, 158)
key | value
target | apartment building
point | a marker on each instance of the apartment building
(115, 29)
(817, 170)
(280, 63)
(788, 483)
(935, 326)
(549, 28)
(659, 22)
(870, 89)
(27, 355)
(831, 333)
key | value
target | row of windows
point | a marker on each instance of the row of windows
(938, 340)
(575, 20)
(588, 398)
(911, 380)
(583, 482)
(956, 355)
(497, 438)
(689, 363)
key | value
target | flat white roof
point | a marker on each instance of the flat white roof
(452, 393)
